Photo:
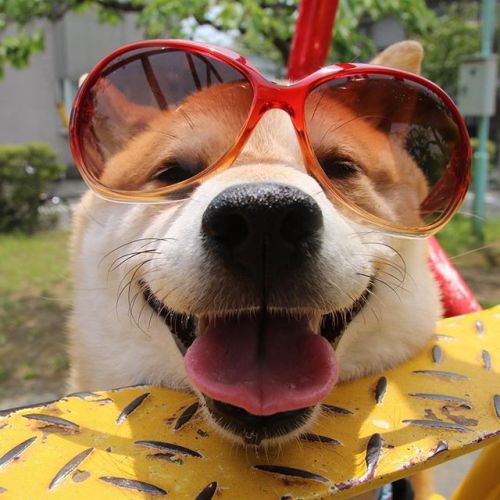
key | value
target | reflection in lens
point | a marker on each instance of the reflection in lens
(156, 117)
(389, 145)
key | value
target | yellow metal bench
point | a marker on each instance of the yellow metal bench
(141, 442)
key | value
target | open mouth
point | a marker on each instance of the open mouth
(259, 370)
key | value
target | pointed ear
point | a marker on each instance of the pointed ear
(116, 119)
(405, 55)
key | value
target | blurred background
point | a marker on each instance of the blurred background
(45, 46)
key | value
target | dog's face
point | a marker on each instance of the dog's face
(258, 290)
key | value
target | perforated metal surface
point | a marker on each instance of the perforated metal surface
(142, 442)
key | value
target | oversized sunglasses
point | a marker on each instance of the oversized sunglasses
(182, 111)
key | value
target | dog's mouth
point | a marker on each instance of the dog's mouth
(260, 372)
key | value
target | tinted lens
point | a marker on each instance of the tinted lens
(390, 146)
(155, 117)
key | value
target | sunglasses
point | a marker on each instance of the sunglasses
(182, 111)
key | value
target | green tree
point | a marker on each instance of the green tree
(261, 26)
(454, 35)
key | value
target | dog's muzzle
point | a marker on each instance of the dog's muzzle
(263, 369)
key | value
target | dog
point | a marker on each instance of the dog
(160, 298)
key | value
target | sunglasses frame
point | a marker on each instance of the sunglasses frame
(266, 96)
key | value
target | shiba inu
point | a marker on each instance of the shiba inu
(254, 287)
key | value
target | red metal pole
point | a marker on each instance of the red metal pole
(313, 33)
(311, 40)
(456, 296)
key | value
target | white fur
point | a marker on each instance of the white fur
(117, 340)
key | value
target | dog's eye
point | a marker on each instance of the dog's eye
(339, 168)
(175, 171)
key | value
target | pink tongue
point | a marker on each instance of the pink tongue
(286, 367)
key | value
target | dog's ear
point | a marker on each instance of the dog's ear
(116, 119)
(406, 55)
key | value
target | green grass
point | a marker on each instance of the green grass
(33, 263)
(457, 239)
(34, 303)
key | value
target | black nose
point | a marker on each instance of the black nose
(262, 227)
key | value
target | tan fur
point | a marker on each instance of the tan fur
(114, 342)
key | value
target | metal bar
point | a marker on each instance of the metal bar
(456, 296)
(481, 156)
(311, 41)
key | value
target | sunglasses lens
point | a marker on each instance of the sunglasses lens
(155, 117)
(390, 146)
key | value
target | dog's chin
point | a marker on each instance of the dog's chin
(243, 400)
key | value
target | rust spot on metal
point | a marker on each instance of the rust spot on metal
(441, 397)
(479, 327)
(380, 390)
(132, 406)
(440, 373)
(336, 409)
(207, 492)
(496, 403)
(169, 447)
(51, 420)
(80, 475)
(291, 472)
(437, 354)
(15, 452)
(133, 484)
(486, 359)
(458, 419)
(439, 424)
(373, 450)
(186, 415)
(69, 467)
(169, 457)
(317, 438)
(428, 413)
(202, 433)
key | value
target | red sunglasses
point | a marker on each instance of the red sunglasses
(146, 127)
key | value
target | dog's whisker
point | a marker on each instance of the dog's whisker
(131, 242)
(128, 256)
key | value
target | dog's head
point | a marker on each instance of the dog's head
(264, 291)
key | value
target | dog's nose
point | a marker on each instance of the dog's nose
(262, 227)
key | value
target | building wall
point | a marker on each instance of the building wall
(29, 96)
